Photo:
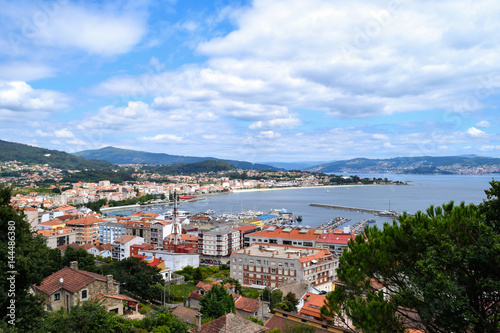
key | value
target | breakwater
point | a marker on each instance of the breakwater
(353, 209)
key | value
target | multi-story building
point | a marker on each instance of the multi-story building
(219, 242)
(110, 231)
(58, 237)
(159, 230)
(121, 246)
(296, 236)
(185, 241)
(275, 265)
(334, 242)
(87, 229)
(139, 228)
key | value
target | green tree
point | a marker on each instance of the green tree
(168, 320)
(25, 261)
(217, 302)
(256, 320)
(235, 283)
(136, 276)
(289, 303)
(86, 261)
(443, 265)
(197, 275)
(276, 296)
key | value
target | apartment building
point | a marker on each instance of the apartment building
(295, 236)
(274, 265)
(159, 230)
(219, 242)
(87, 229)
(110, 231)
(335, 242)
(121, 246)
(58, 237)
(139, 228)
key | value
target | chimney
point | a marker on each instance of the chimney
(198, 321)
(109, 285)
(73, 265)
(258, 300)
(307, 297)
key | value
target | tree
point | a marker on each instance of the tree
(276, 296)
(217, 302)
(442, 265)
(197, 275)
(25, 261)
(235, 283)
(289, 303)
(136, 276)
(86, 261)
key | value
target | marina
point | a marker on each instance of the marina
(387, 213)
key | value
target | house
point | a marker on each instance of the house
(121, 246)
(282, 319)
(228, 323)
(311, 307)
(249, 307)
(69, 286)
(202, 288)
(185, 314)
(105, 250)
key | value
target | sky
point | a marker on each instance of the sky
(260, 81)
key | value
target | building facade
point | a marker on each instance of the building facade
(220, 242)
(263, 265)
(87, 229)
(110, 231)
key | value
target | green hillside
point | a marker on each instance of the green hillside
(127, 156)
(190, 168)
(11, 151)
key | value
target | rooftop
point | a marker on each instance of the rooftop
(335, 238)
(289, 233)
(303, 254)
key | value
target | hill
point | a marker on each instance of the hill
(189, 168)
(127, 156)
(11, 151)
(414, 165)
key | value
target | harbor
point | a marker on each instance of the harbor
(387, 213)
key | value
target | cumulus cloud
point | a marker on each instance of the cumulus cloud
(475, 132)
(20, 96)
(162, 138)
(276, 123)
(483, 123)
(63, 133)
(269, 135)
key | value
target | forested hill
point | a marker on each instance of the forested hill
(11, 151)
(190, 168)
(127, 156)
(414, 165)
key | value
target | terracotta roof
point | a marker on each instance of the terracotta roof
(230, 323)
(119, 296)
(104, 247)
(246, 228)
(74, 280)
(247, 304)
(64, 247)
(278, 321)
(87, 220)
(86, 247)
(312, 306)
(184, 237)
(124, 239)
(54, 232)
(315, 256)
(335, 238)
(293, 234)
(63, 208)
(30, 209)
(52, 222)
(187, 315)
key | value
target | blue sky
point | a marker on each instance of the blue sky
(263, 80)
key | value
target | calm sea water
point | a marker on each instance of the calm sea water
(423, 191)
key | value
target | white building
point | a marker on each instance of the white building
(174, 261)
(110, 231)
(121, 246)
(219, 242)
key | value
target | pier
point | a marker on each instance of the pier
(362, 210)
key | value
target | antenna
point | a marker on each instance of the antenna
(175, 224)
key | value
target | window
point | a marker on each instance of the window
(57, 297)
(259, 261)
(84, 294)
(286, 264)
(292, 265)
(273, 270)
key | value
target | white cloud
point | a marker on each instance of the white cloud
(483, 123)
(63, 133)
(20, 96)
(382, 137)
(269, 135)
(25, 71)
(475, 132)
(78, 142)
(276, 123)
(162, 138)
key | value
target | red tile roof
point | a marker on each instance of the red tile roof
(246, 228)
(335, 238)
(124, 239)
(293, 234)
(312, 306)
(247, 304)
(74, 280)
(230, 323)
(87, 220)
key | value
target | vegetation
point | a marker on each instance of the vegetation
(86, 261)
(190, 168)
(96, 205)
(443, 264)
(217, 302)
(289, 303)
(12, 151)
(115, 176)
(25, 261)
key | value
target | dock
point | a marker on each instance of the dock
(354, 209)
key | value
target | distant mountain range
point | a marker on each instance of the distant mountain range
(11, 151)
(296, 165)
(127, 156)
(414, 165)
